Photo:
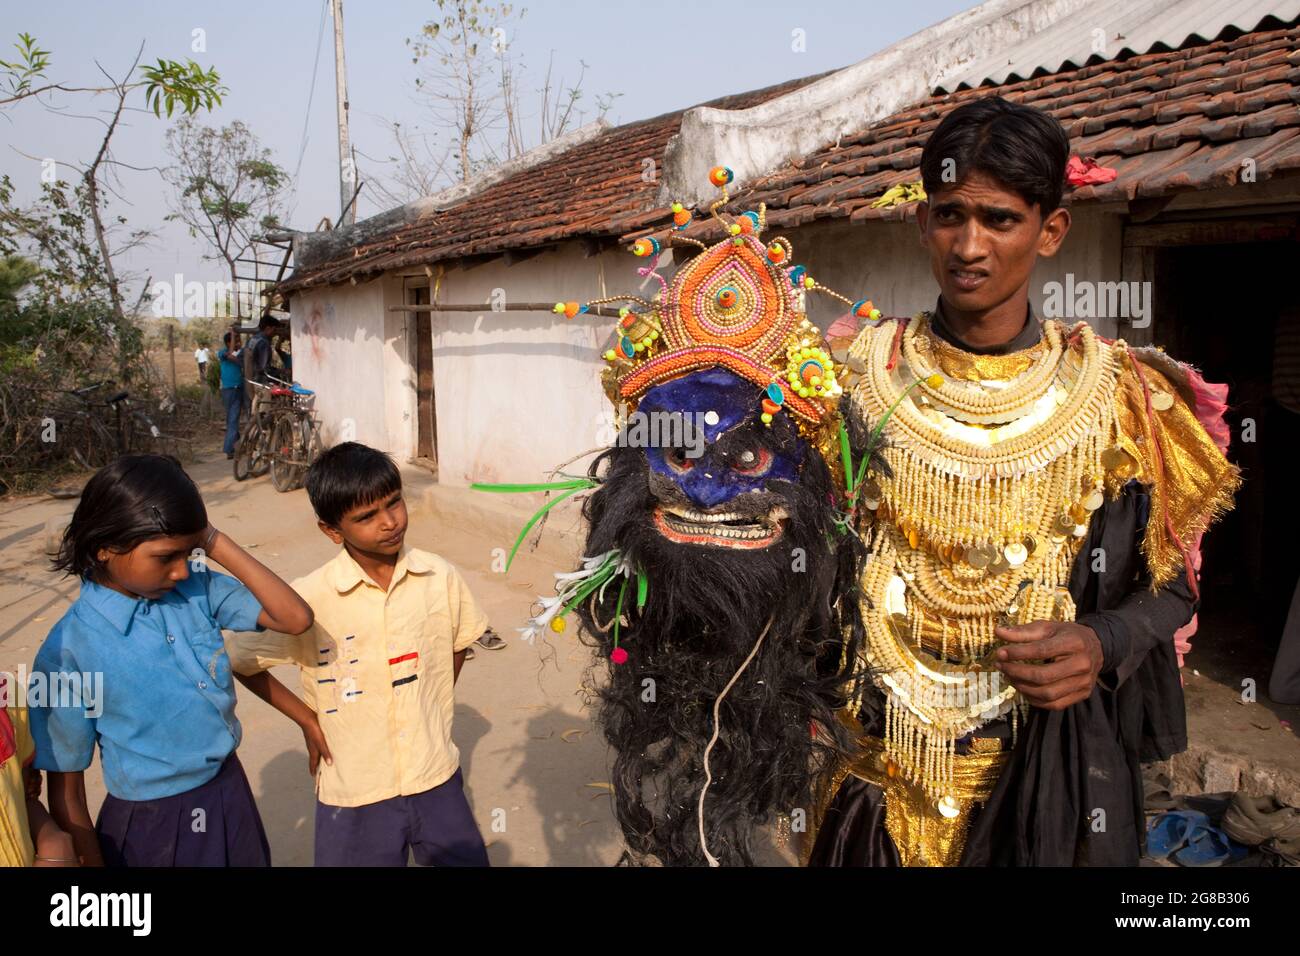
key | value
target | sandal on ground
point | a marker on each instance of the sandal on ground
(1169, 831)
(1209, 846)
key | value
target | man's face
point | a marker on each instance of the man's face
(375, 528)
(983, 241)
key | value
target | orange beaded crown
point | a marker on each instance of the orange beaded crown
(739, 305)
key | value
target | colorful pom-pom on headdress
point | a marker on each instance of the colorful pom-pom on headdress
(863, 309)
(738, 305)
(569, 309)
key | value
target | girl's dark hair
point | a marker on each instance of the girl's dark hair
(135, 498)
(1021, 147)
(349, 475)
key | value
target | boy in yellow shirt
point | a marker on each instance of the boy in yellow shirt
(392, 625)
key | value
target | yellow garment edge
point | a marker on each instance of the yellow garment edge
(922, 834)
(15, 833)
(1197, 484)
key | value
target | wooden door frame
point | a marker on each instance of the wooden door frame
(426, 406)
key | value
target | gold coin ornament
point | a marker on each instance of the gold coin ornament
(990, 487)
(1162, 401)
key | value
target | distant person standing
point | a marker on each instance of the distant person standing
(232, 389)
(259, 348)
(201, 356)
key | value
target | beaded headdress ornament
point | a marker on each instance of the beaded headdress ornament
(739, 304)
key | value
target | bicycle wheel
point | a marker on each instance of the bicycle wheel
(244, 451)
(260, 459)
(309, 446)
(284, 474)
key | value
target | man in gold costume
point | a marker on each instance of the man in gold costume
(1029, 542)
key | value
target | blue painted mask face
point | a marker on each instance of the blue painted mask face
(711, 459)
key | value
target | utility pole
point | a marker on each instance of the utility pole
(347, 166)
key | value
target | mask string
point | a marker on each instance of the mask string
(717, 720)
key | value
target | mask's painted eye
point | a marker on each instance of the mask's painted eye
(677, 460)
(752, 461)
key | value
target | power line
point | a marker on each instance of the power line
(311, 93)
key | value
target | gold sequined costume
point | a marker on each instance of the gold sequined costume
(997, 463)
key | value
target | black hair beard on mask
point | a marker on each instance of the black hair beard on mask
(705, 610)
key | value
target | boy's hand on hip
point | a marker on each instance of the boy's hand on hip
(317, 747)
(1054, 664)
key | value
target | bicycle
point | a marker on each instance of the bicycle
(94, 443)
(282, 436)
(251, 450)
(295, 440)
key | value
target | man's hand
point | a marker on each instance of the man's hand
(316, 745)
(1069, 659)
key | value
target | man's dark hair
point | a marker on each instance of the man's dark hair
(347, 476)
(1021, 147)
(133, 499)
(267, 322)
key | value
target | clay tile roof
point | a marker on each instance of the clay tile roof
(1166, 121)
(593, 190)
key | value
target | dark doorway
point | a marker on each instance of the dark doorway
(1233, 311)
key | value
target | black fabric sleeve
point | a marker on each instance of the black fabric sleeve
(1141, 621)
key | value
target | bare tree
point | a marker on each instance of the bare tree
(472, 85)
(417, 167)
(227, 187)
(457, 82)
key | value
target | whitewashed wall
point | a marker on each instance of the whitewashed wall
(517, 393)
(355, 355)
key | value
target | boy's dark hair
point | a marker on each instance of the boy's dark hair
(227, 337)
(267, 322)
(347, 476)
(135, 498)
(1021, 147)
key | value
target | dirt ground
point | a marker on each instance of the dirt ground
(536, 768)
(527, 744)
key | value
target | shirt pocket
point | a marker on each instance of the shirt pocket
(210, 650)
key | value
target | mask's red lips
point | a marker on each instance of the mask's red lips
(719, 529)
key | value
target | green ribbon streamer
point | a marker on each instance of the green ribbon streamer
(536, 486)
(618, 610)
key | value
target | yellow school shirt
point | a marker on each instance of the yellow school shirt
(377, 668)
(15, 833)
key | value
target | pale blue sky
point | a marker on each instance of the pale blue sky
(660, 56)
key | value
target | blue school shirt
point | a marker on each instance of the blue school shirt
(166, 707)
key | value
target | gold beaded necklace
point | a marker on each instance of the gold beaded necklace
(991, 489)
